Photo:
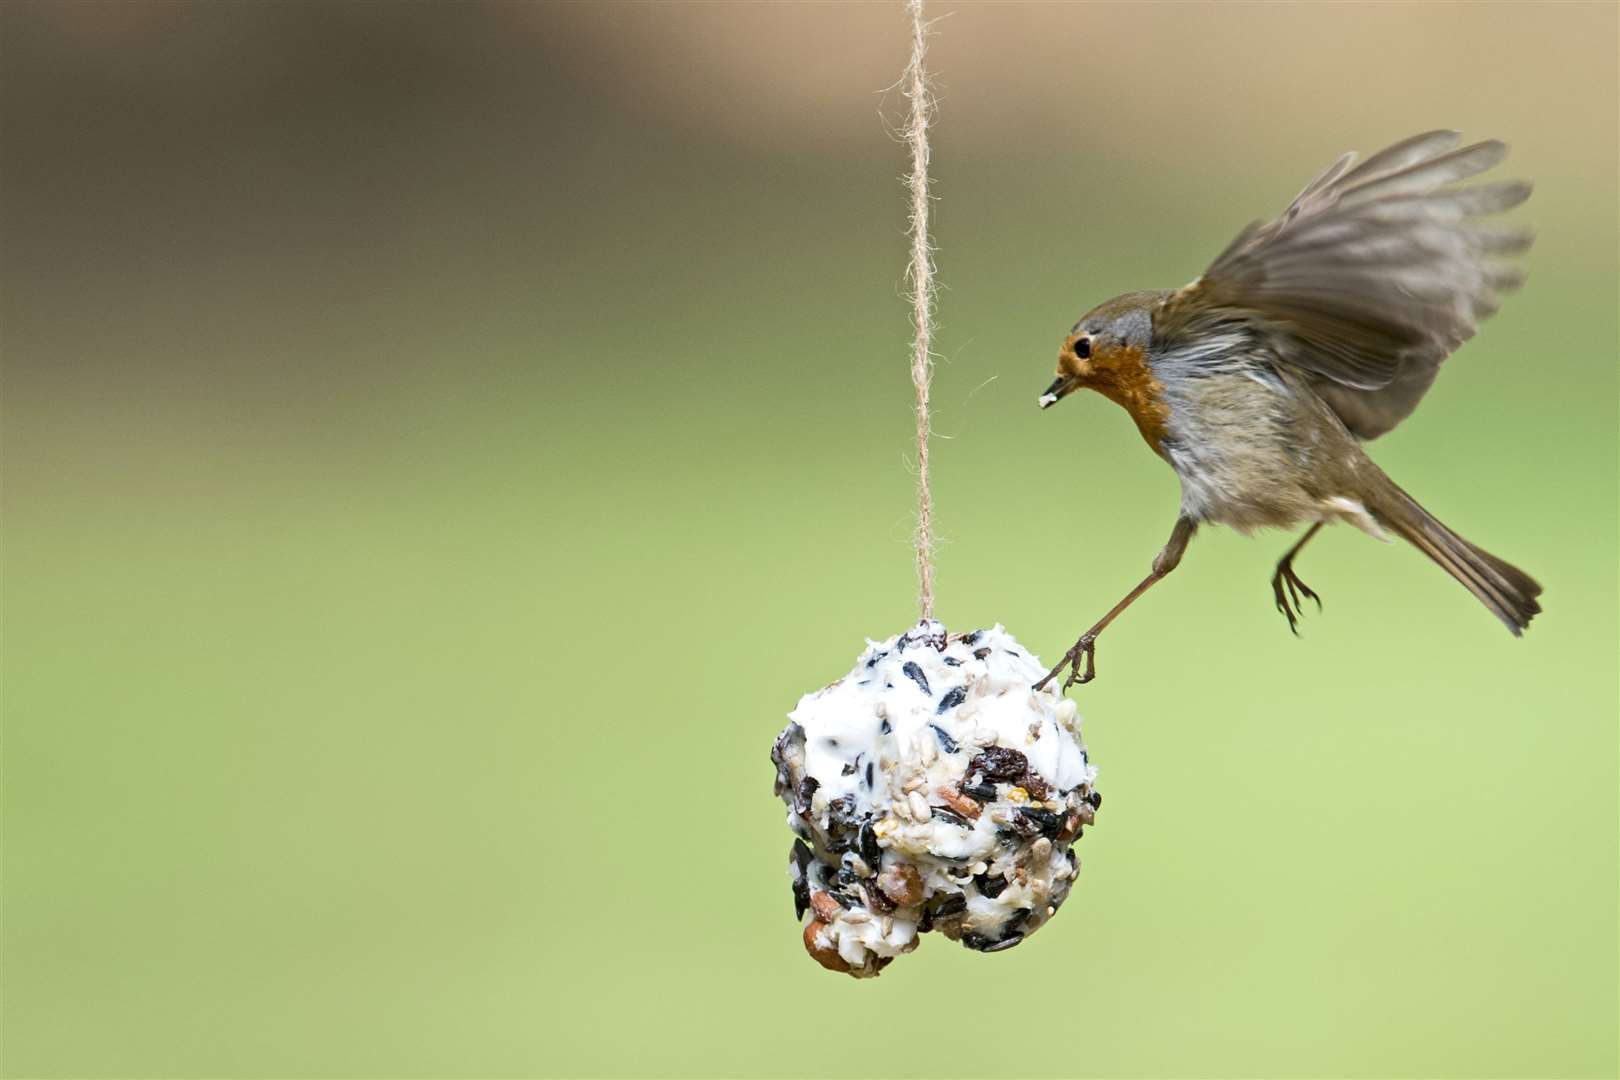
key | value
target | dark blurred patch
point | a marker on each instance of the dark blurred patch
(243, 175)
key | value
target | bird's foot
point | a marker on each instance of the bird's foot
(1288, 588)
(1084, 650)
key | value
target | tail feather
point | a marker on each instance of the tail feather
(1509, 592)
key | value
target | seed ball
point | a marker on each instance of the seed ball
(932, 789)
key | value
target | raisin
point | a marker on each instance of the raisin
(999, 763)
(877, 900)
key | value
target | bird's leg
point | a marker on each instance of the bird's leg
(1288, 602)
(1086, 647)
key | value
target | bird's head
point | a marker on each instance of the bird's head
(1106, 350)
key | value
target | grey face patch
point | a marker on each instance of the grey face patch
(1134, 327)
(1124, 320)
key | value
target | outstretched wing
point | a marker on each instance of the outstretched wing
(1371, 277)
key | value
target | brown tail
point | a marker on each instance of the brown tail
(1509, 592)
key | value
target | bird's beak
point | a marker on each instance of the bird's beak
(1061, 387)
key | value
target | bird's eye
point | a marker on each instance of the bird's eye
(1082, 348)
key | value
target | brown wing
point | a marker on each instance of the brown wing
(1371, 277)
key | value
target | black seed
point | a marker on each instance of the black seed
(1015, 921)
(845, 902)
(981, 654)
(951, 816)
(849, 767)
(999, 763)
(1044, 822)
(1003, 945)
(915, 674)
(867, 842)
(946, 743)
(884, 728)
(991, 885)
(926, 923)
(875, 658)
(981, 792)
(1095, 799)
(951, 661)
(968, 639)
(975, 940)
(868, 774)
(801, 897)
(807, 789)
(846, 876)
(951, 700)
(802, 856)
(954, 904)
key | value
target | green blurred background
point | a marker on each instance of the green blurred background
(442, 442)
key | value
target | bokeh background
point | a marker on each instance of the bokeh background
(441, 442)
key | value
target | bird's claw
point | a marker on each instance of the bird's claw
(1084, 649)
(1288, 588)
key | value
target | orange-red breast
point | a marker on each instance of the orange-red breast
(1307, 336)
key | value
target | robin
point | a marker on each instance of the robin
(1306, 337)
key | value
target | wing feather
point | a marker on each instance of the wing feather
(1371, 277)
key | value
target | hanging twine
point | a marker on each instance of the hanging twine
(920, 274)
